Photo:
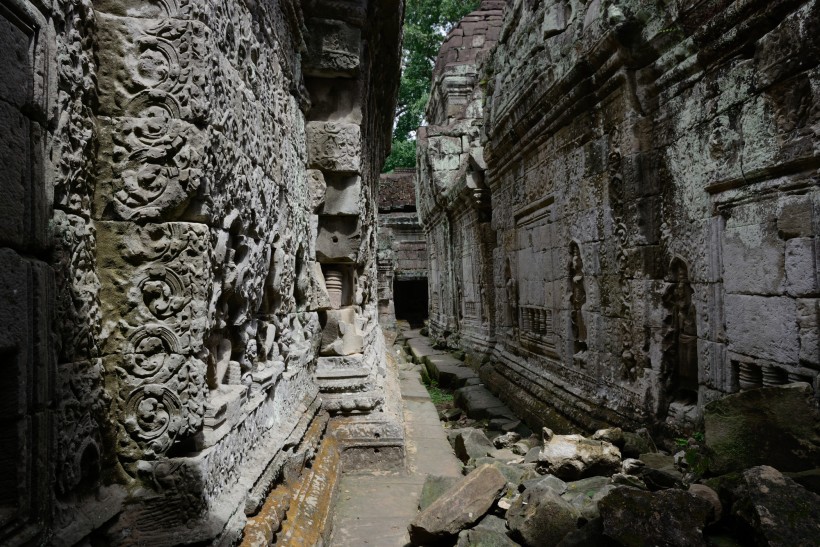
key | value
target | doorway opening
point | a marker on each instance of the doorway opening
(410, 301)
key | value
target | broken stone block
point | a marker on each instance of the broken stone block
(585, 494)
(572, 457)
(776, 510)
(613, 435)
(550, 482)
(539, 516)
(340, 335)
(637, 443)
(705, 492)
(515, 474)
(471, 444)
(506, 440)
(434, 487)
(460, 506)
(636, 518)
(774, 426)
(448, 371)
(450, 414)
(590, 534)
(490, 532)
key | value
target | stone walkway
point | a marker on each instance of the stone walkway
(375, 509)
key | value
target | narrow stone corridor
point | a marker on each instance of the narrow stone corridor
(376, 508)
(605, 221)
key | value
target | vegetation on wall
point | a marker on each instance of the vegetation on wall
(426, 23)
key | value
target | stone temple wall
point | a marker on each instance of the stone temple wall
(178, 182)
(647, 174)
(453, 199)
(402, 247)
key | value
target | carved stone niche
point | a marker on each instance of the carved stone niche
(680, 346)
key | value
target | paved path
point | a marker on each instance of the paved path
(375, 509)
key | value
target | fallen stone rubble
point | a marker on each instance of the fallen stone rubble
(616, 487)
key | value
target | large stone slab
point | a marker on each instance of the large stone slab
(421, 348)
(434, 487)
(462, 505)
(775, 426)
(449, 371)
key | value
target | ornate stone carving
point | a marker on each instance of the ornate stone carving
(78, 304)
(577, 299)
(152, 283)
(334, 146)
(152, 68)
(511, 288)
(680, 345)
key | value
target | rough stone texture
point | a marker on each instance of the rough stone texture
(571, 457)
(585, 494)
(478, 403)
(621, 204)
(434, 487)
(490, 532)
(540, 516)
(670, 517)
(471, 444)
(706, 493)
(463, 504)
(776, 426)
(173, 176)
(777, 510)
(402, 255)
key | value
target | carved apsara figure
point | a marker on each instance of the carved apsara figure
(512, 295)
(680, 349)
(578, 297)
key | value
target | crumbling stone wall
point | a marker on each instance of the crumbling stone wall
(160, 203)
(402, 251)
(652, 243)
(453, 195)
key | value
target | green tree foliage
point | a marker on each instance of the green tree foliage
(403, 154)
(426, 23)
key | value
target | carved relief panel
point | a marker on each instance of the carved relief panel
(155, 287)
(152, 92)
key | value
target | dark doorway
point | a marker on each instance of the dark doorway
(410, 300)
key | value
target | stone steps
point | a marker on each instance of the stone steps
(375, 508)
(419, 348)
(450, 372)
(479, 404)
